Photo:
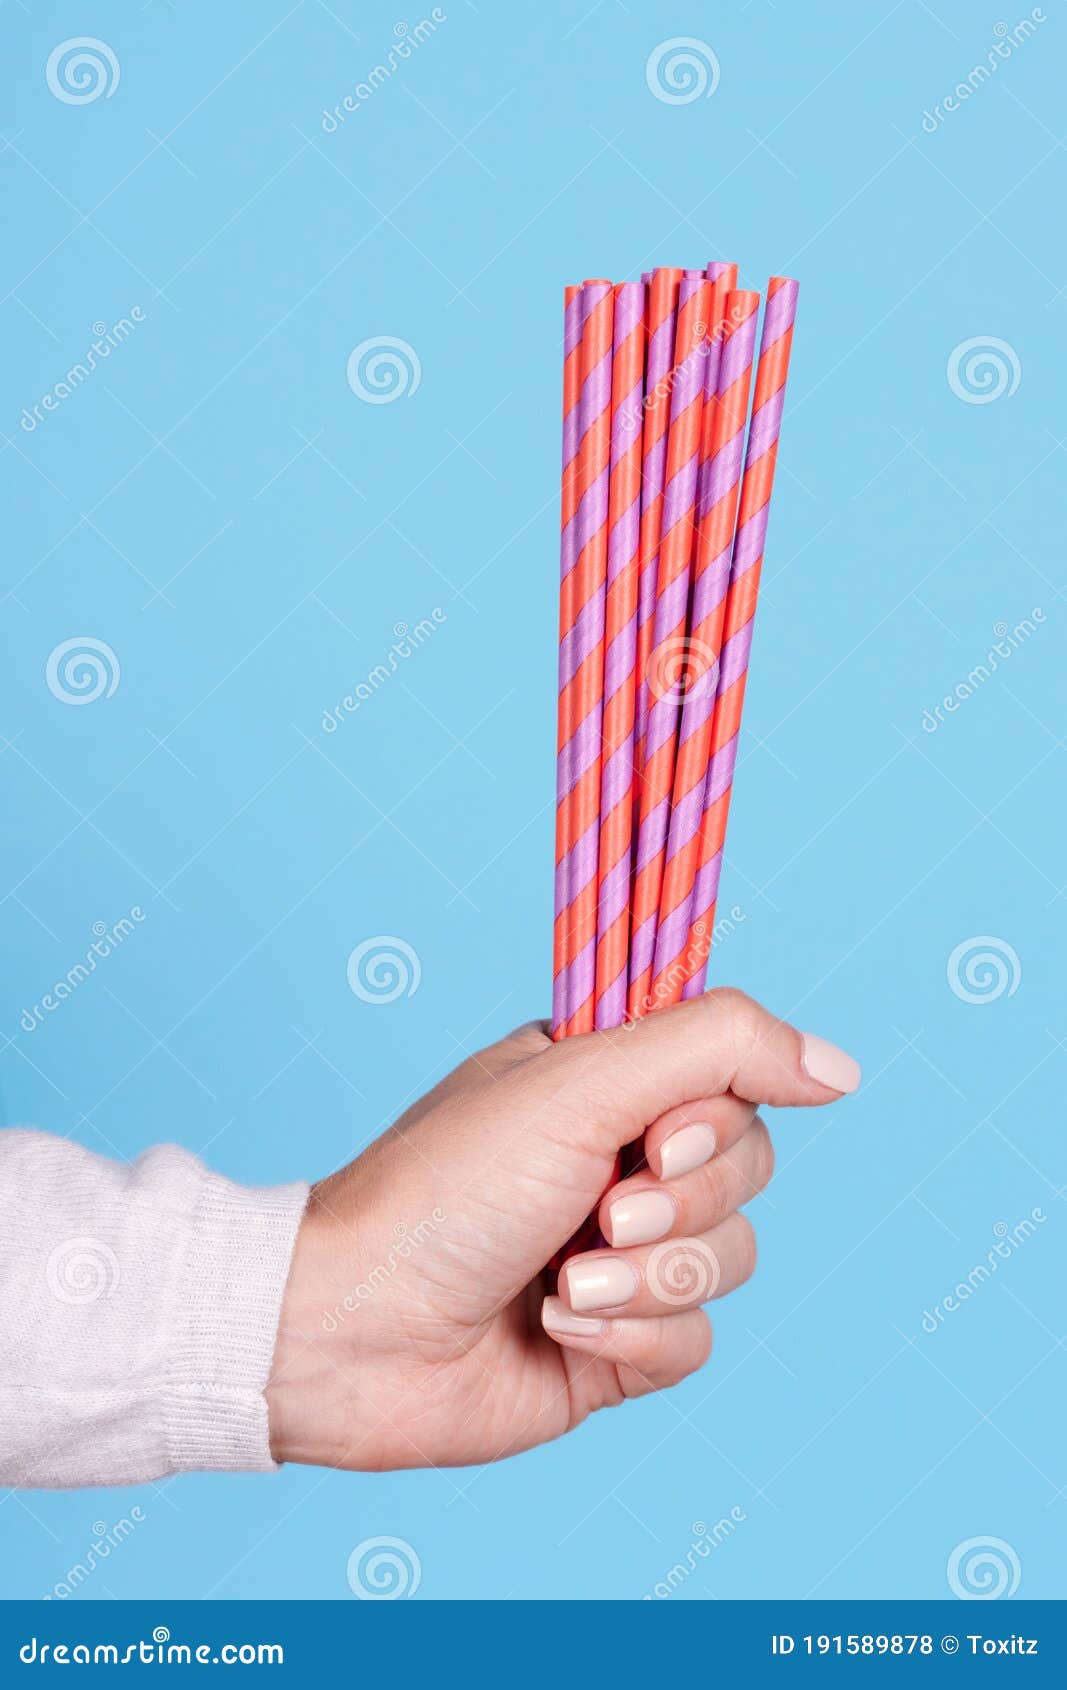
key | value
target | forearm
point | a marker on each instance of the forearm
(139, 1308)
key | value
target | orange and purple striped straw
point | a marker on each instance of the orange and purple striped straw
(620, 656)
(677, 530)
(581, 669)
(760, 459)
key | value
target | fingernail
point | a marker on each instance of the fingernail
(557, 1317)
(641, 1217)
(690, 1147)
(829, 1066)
(600, 1284)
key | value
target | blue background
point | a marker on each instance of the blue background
(244, 533)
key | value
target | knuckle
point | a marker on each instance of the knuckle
(763, 1156)
(745, 1250)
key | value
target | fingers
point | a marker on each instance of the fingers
(643, 1210)
(620, 1081)
(660, 1279)
(651, 1354)
(687, 1137)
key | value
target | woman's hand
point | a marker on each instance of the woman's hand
(418, 1328)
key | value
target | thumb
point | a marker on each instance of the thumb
(724, 1041)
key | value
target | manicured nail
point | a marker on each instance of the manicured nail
(602, 1283)
(690, 1147)
(829, 1066)
(641, 1217)
(557, 1317)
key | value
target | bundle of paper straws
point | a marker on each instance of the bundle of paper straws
(662, 542)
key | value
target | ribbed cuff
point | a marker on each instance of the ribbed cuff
(227, 1304)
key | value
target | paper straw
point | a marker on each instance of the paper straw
(574, 306)
(662, 303)
(749, 541)
(718, 507)
(678, 510)
(581, 672)
(620, 645)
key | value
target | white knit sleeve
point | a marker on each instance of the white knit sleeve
(139, 1306)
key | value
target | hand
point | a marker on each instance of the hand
(416, 1328)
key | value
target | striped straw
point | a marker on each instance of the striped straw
(718, 508)
(581, 672)
(749, 541)
(662, 304)
(574, 307)
(620, 643)
(667, 661)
